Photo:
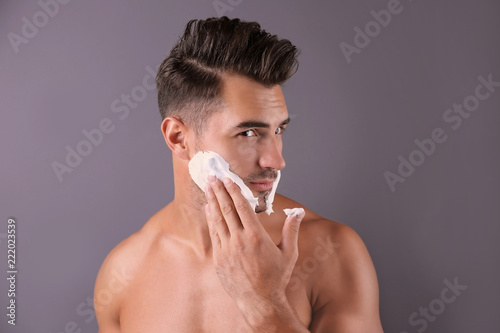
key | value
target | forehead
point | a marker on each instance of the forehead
(246, 99)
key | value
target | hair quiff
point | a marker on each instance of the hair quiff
(189, 80)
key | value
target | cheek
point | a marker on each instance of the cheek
(247, 154)
(212, 142)
(242, 159)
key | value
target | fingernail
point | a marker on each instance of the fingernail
(299, 217)
(208, 189)
(227, 181)
(211, 179)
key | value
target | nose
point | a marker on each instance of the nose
(270, 155)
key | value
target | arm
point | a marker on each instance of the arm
(116, 273)
(105, 301)
(346, 287)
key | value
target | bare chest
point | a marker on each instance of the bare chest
(186, 296)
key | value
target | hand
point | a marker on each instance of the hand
(252, 269)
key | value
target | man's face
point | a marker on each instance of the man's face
(247, 133)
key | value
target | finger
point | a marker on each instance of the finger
(227, 207)
(245, 211)
(214, 236)
(290, 233)
(215, 220)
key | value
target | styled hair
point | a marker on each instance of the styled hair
(189, 80)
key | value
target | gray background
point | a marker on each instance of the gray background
(351, 122)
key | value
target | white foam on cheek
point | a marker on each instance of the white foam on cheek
(205, 163)
(270, 197)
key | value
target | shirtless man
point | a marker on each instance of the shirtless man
(208, 262)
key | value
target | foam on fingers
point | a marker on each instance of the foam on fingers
(293, 212)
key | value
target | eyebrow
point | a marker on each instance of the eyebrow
(256, 123)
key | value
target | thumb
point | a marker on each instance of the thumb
(290, 233)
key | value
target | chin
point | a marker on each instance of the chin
(262, 206)
(259, 209)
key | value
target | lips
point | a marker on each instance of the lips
(262, 185)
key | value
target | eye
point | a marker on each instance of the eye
(280, 130)
(248, 133)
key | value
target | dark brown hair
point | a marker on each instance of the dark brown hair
(189, 80)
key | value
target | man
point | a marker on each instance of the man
(207, 262)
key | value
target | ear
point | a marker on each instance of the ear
(175, 135)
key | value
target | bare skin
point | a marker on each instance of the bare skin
(225, 268)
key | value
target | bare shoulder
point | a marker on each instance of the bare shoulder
(337, 265)
(315, 225)
(118, 270)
